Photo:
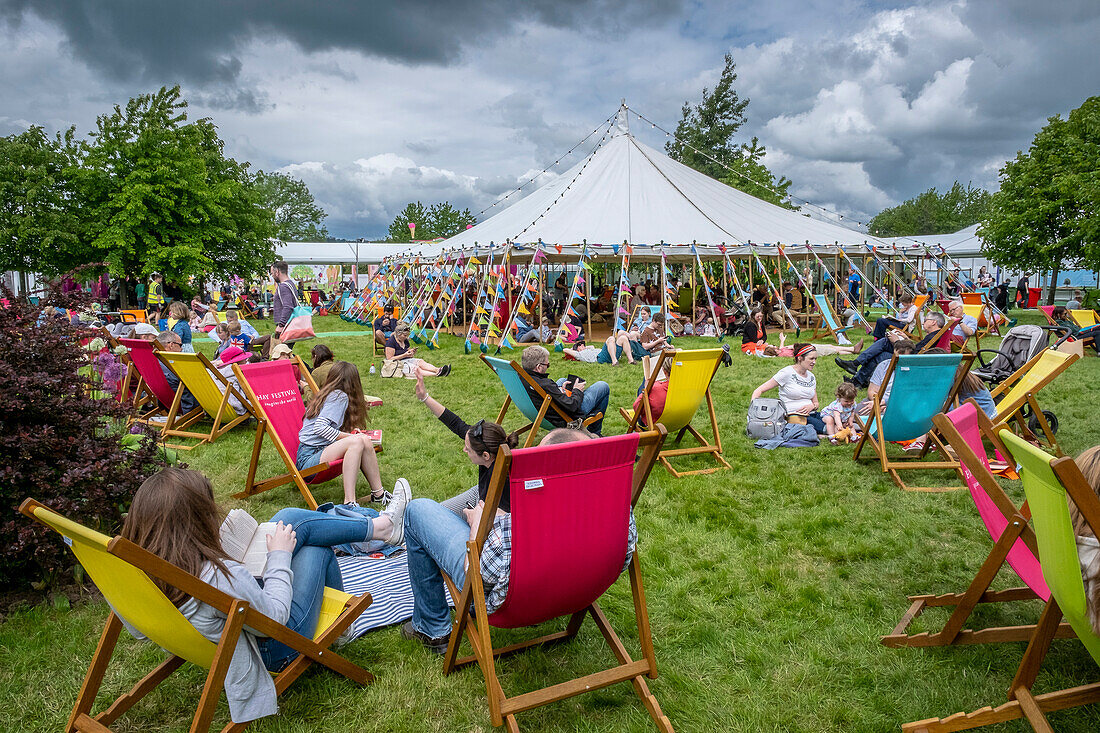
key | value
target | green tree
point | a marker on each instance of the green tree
(1046, 215)
(158, 194)
(39, 230)
(438, 221)
(297, 216)
(704, 140)
(933, 213)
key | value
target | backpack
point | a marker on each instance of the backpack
(766, 418)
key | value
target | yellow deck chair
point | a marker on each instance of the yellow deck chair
(121, 570)
(688, 388)
(1084, 318)
(1018, 392)
(211, 391)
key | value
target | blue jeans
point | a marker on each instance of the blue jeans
(596, 397)
(314, 567)
(435, 540)
(884, 324)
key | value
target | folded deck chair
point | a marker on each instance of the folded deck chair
(1013, 542)
(153, 397)
(273, 395)
(924, 385)
(1015, 396)
(827, 321)
(211, 390)
(513, 377)
(123, 573)
(688, 389)
(546, 583)
(1047, 482)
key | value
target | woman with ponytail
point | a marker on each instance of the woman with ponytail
(797, 387)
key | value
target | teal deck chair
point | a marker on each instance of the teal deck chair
(513, 377)
(1047, 483)
(924, 386)
(827, 321)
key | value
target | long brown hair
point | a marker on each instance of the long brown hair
(1089, 463)
(174, 516)
(343, 376)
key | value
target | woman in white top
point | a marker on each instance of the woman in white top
(906, 313)
(797, 387)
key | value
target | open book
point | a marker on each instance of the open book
(245, 540)
(375, 435)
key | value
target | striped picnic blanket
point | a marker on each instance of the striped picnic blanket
(387, 580)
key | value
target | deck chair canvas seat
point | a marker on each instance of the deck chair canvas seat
(924, 385)
(688, 389)
(123, 573)
(211, 390)
(153, 397)
(828, 322)
(513, 377)
(1047, 482)
(546, 584)
(1015, 397)
(1011, 535)
(273, 394)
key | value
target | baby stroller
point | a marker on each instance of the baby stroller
(1020, 345)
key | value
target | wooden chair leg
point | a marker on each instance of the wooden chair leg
(96, 670)
(216, 677)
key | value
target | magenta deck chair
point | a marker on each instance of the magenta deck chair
(1013, 542)
(564, 558)
(147, 364)
(273, 391)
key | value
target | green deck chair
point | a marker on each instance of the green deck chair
(924, 386)
(1047, 482)
(513, 377)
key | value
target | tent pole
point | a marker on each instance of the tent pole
(588, 304)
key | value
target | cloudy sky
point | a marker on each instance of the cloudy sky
(375, 104)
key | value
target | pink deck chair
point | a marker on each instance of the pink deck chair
(152, 389)
(273, 391)
(563, 561)
(1013, 542)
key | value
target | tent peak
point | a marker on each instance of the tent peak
(622, 127)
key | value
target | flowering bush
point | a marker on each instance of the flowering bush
(59, 442)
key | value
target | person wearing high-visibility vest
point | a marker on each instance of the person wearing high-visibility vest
(156, 294)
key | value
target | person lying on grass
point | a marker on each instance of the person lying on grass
(174, 516)
(436, 534)
(330, 430)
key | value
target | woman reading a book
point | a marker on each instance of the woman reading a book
(331, 429)
(174, 516)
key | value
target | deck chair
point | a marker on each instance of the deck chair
(245, 311)
(1012, 537)
(546, 584)
(916, 330)
(827, 321)
(1084, 319)
(133, 316)
(273, 394)
(924, 385)
(123, 572)
(211, 391)
(153, 397)
(688, 388)
(1048, 311)
(1047, 482)
(513, 377)
(1016, 402)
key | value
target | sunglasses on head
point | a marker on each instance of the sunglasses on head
(477, 429)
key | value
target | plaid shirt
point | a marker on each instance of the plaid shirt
(496, 558)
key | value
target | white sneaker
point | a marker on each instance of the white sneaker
(395, 510)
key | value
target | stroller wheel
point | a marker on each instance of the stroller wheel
(1052, 421)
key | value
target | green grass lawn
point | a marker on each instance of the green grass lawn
(768, 586)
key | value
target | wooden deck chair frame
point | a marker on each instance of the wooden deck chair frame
(1009, 412)
(474, 622)
(544, 407)
(916, 331)
(978, 592)
(1047, 311)
(824, 314)
(879, 444)
(242, 306)
(945, 329)
(220, 416)
(1022, 701)
(1084, 318)
(239, 613)
(143, 396)
(634, 422)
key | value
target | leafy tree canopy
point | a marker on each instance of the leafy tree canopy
(438, 221)
(932, 212)
(704, 140)
(297, 216)
(1046, 215)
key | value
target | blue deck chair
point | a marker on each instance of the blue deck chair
(513, 377)
(827, 321)
(924, 386)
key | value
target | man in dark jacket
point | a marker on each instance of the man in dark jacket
(863, 366)
(578, 402)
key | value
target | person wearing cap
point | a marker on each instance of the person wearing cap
(144, 332)
(384, 325)
(231, 355)
(398, 349)
(282, 351)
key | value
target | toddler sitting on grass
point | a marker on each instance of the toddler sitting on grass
(839, 414)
